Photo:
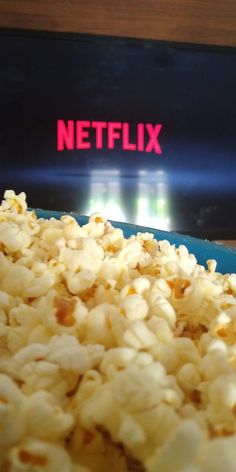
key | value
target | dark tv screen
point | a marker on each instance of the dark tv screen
(140, 130)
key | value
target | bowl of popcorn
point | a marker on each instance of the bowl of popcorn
(117, 346)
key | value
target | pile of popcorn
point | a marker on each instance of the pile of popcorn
(115, 354)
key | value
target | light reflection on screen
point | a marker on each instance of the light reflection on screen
(153, 207)
(151, 202)
(105, 194)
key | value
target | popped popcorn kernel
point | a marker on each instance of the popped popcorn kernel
(64, 311)
(179, 286)
(32, 459)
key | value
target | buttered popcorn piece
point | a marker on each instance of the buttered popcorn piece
(12, 413)
(36, 455)
(115, 353)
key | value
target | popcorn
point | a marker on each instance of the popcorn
(180, 450)
(189, 377)
(12, 413)
(111, 269)
(47, 420)
(222, 401)
(139, 336)
(66, 352)
(14, 203)
(16, 281)
(115, 354)
(78, 282)
(130, 254)
(99, 324)
(12, 238)
(121, 405)
(161, 307)
(134, 307)
(118, 358)
(37, 455)
(218, 455)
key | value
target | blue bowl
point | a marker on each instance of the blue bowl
(202, 249)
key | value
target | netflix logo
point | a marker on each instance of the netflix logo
(75, 134)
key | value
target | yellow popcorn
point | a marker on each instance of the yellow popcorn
(134, 307)
(66, 352)
(99, 324)
(161, 307)
(46, 419)
(16, 281)
(117, 359)
(50, 235)
(13, 202)
(90, 382)
(111, 270)
(30, 353)
(116, 354)
(96, 225)
(12, 238)
(39, 286)
(189, 377)
(133, 396)
(79, 281)
(180, 450)
(139, 336)
(12, 413)
(40, 375)
(130, 254)
(23, 319)
(222, 400)
(95, 452)
(60, 313)
(36, 455)
(217, 455)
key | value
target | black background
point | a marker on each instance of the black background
(190, 90)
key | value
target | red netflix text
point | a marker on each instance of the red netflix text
(75, 134)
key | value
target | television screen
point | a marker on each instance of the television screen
(143, 131)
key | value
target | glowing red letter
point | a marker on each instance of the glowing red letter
(65, 135)
(112, 134)
(99, 127)
(127, 146)
(81, 134)
(153, 142)
(140, 137)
